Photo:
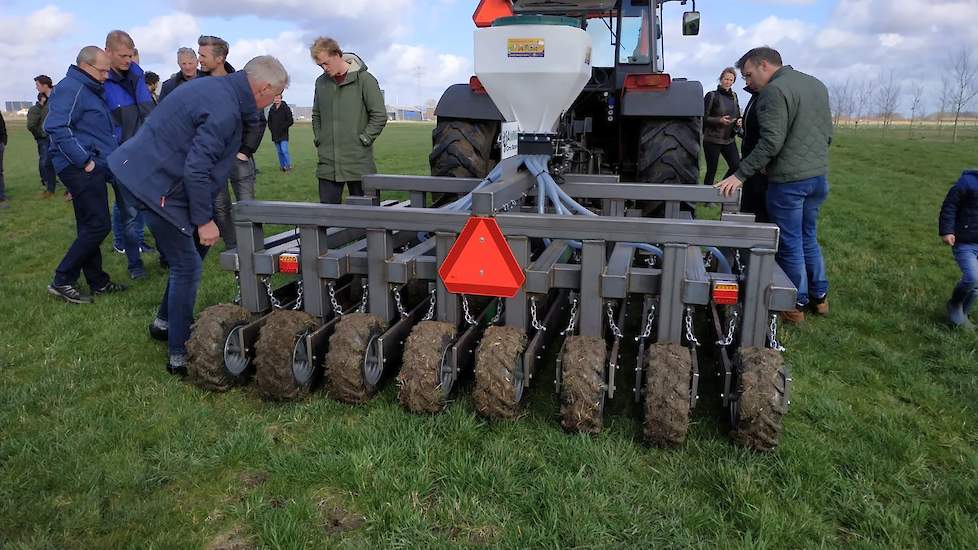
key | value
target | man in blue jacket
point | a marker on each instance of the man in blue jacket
(130, 102)
(174, 167)
(80, 129)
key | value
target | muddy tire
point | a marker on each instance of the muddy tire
(499, 372)
(273, 355)
(420, 388)
(669, 150)
(462, 148)
(668, 378)
(345, 379)
(205, 348)
(582, 389)
(761, 403)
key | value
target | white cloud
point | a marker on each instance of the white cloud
(30, 45)
(159, 40)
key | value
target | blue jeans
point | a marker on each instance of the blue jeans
(794, 207)
(185, 255)
(90, 200)
(45, 168)
(282, 148)
(967, 257)
(124, 229)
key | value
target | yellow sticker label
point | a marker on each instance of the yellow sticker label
(525, 47)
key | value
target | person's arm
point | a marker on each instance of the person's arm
(3, 132)
(772, 119)
(376, 110)
(949, 214)
(61, 110)
(288, 114)
(315, 116)
(210, 140)
(34, 122)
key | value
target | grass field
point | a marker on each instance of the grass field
(100, 448)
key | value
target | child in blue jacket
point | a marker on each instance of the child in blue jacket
(959, 229)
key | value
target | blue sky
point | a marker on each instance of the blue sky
(418, 47)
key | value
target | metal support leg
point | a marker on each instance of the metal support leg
(591, 308)
(380, 247)
(418, 199)
(671, 302)
(448, 303)
(312, 245)
(516, 307)
(760, 270)
(251, 239)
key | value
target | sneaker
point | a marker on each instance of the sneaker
(177, 365)
(820, 306)
(68, 196)
(793, 317)
(159, 330)
(118, 249)
(146, 249)
(46, 194)
(109, 288)
(136, 274)
(70, 294)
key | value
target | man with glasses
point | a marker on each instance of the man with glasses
(80, 129)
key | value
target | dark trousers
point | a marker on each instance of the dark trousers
(128, 229)
(754, 198)
(331, 192)
(712, 151)
(185, 255)
(243, 178)
(45, 168)
(90, 199)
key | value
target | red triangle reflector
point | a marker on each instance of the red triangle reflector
(481, 263)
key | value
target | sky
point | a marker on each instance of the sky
(417, 48)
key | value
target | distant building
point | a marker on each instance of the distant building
(395, 112)
(14, 106)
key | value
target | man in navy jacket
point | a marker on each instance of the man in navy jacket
(130, 102)
(175, 166)
(80, 129)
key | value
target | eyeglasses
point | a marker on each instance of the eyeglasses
(102, 71)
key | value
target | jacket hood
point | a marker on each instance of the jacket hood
(356, 64)
(75, 73)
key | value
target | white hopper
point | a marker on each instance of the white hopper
(533, 73)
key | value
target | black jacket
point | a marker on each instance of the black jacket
(279, 122)
(959, 213)
(753, 200)
(716, 104)
(172, 83)
(3, 132)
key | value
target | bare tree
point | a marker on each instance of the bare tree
(916, 103)
(886, 98)
(861, 94)
(841, 95)
(945, 101)
(963, 72)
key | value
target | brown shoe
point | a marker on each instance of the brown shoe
(820, 307)
(793, 317)
(46, 194)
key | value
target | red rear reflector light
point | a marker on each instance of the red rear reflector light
(648, 82)
(476, 85)
(725, 293)
(288, 263)
(490, 10)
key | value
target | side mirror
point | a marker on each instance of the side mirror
(691, 23)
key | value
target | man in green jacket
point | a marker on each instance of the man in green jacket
(795, 124)
(35, 123)
(348, 114)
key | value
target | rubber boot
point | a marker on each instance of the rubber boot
(968, 302)
(956, 313)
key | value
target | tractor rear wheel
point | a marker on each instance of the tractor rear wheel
(499, 372)
(582, 389)
(668, 382)
(461, 149)
(275, 355)
(351, 369)
(207, 344)
(669, 150)
(423, 389)
(761, 398)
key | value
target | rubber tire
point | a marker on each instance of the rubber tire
(583, 384)
(462, 148)
(495, 360)
(668, 379)
(762, 404)
(344, 363)
(669, 150)
(273, 354)
(419, 390)
(205, 348)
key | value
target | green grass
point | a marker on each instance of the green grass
(99, 447)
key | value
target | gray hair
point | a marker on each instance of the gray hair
(269, 70)
(186, 51)
(88, 55)
(120, 38)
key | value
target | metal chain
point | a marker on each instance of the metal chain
(647, 331)
(337, 310)
(237, 282)
(740, 266)
(466, 313)
(708, 259)
(397, 301)
(298, 298)
(511, 204)
(611, 321)
(573, 318)
(500, 307)
(271, 295)
(650, 260)
(534, 322)
(690, 337)
(430, 314)
(366, 292)
(732, 326)
(773, 335)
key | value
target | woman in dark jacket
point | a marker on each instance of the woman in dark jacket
(279, 122)
(721, 117)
